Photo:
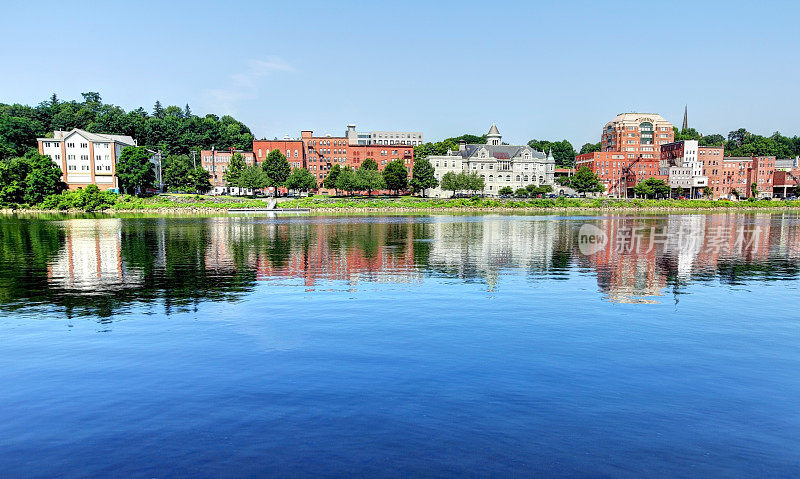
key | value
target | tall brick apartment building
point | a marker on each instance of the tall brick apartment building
(630, 151)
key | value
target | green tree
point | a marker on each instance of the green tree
(590, 148)
(708, 192)
(134, 170)
(585, 181)
(735, 192)
(505, 191)
(43, 178)
(754, 190)
(680, 191)
(369, 164)
(158, 110)
(423, 176)
(521, 193)
(470, 181)
(712, 140)
(301, 179)
(441, 147)
(252, 178)
(346, 180)
(370, 179)
(687, 134)
(235, 168)
(277, 168)
(176, 170)
(651, 188)
(563, 152)
(396, 176)
(330, 179)
(450, 182)
(200, 179)
(29, 179)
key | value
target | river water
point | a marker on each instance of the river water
(397, 346)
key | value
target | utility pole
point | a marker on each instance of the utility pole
(160, 174)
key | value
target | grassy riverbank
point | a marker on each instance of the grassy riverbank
(320, 204)
(477, 203)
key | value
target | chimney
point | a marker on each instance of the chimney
(462, 144)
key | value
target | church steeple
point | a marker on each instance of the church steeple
(685, 118)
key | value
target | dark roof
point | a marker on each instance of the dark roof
(500, 152)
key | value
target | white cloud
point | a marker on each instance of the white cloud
(243, 85)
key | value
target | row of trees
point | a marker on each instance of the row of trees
(173, 130)
(743, 143)
(563, 152)
(273, 172)
(368, 178)
(452, 181)
(530, 191)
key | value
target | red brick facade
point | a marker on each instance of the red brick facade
(292, 149)
(216, 163)
(618, 173)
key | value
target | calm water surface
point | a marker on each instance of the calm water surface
(437, 346)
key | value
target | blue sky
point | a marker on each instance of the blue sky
(548, 70)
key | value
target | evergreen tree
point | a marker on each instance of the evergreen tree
(158, 110)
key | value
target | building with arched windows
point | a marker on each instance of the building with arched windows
(636, 134)
(515, 166)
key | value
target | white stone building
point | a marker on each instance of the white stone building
(680, 162)
(515, 166)
(87, 158)
(412, 138)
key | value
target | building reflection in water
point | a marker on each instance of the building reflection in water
(91, 259)
(182, 261)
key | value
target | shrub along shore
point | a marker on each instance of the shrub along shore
(90, 200)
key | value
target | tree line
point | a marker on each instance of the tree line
(172, 129)
(367, 177)
(738, 142)
(563, 152)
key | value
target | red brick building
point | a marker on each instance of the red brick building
(318, 154)
(739, 173)
(630, 151)
(322, 152)
(637, 135)
(217, 162)
(292, 149)
(617, 172)
(784, 182)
